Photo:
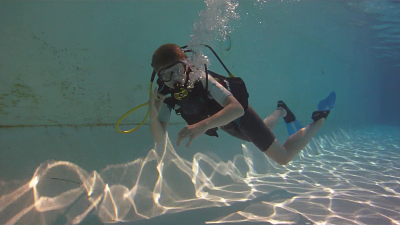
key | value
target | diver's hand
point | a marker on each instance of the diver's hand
(155, 103)
(191, 131)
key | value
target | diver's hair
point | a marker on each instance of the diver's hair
(167, 54)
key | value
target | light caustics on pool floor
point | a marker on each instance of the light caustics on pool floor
(347, 177)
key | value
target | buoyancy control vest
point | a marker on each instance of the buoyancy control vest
(194, 105)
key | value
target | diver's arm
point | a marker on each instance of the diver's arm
(157, 128)
(232, 108)
(231, 111)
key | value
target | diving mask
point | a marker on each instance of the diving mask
(178, 68)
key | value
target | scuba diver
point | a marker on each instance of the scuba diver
(208, 101)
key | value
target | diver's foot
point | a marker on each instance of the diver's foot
(289, 115)
(317, 115)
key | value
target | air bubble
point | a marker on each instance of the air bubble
(227, 43)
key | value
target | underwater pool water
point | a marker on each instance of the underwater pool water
(70, 70)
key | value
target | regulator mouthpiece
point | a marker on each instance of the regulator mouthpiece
(178, 85)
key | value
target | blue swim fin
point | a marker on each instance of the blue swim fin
(290, 119)
(290, 128)
(298, 125)
(328, 103)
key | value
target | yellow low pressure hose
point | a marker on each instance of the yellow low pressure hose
(130, 111)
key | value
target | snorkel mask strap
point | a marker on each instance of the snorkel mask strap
(153, 75)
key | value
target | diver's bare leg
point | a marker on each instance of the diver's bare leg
(272, 120)
(294, 144)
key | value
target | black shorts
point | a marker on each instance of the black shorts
(250, 127)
